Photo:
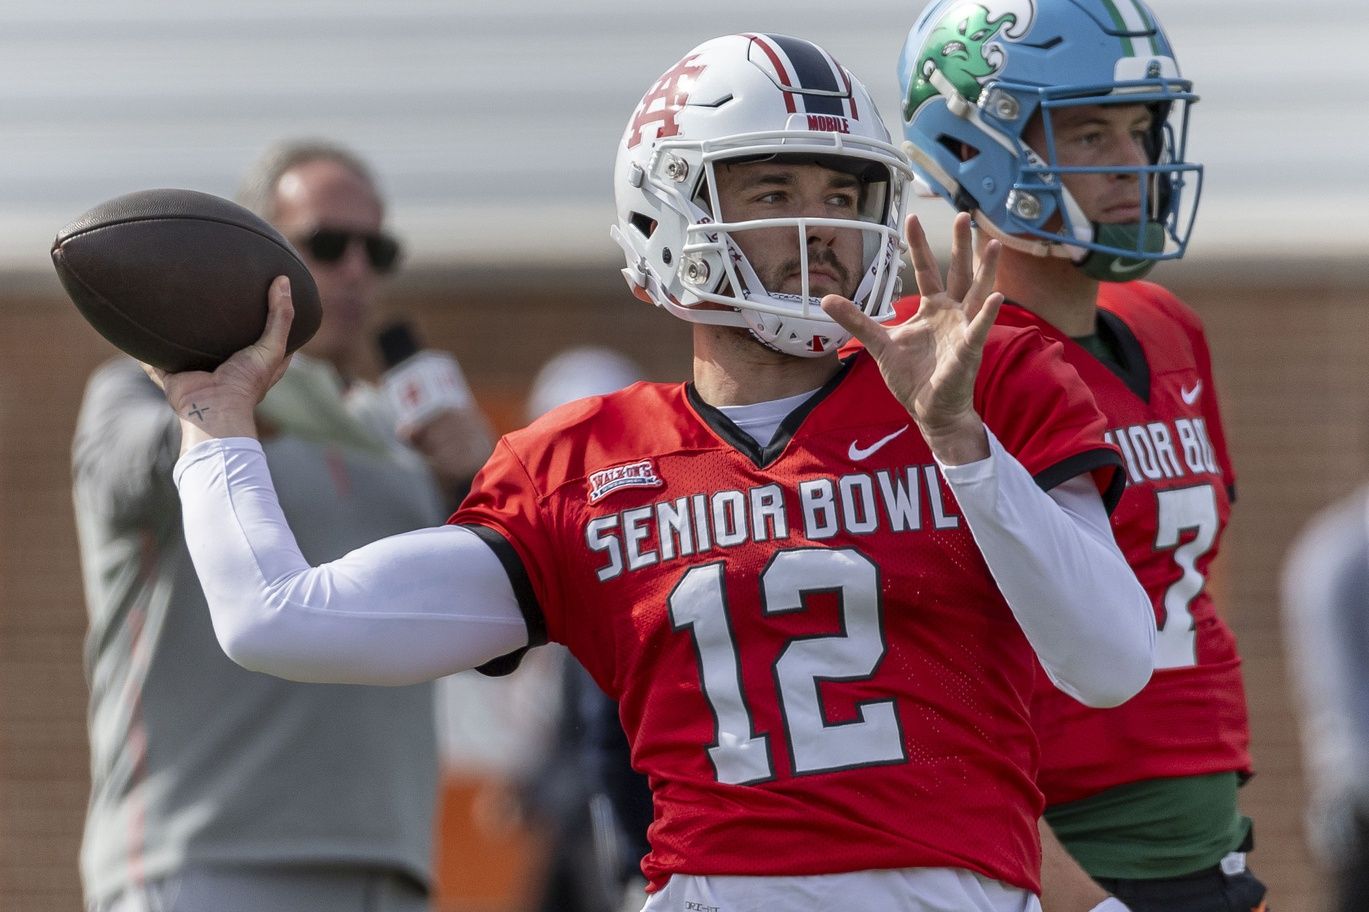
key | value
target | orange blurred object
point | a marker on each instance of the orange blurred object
(485, 860)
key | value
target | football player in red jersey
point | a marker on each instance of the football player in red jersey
(1060, 126)
(817, 588)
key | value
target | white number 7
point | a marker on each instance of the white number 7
(1180, 510)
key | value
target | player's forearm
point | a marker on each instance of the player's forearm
(401, 610)
(1076, 599)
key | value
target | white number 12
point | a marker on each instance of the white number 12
(739, 754)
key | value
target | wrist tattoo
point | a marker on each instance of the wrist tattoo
(197, 411)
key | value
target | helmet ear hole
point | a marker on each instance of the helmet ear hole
(959, 148)
(643, 223)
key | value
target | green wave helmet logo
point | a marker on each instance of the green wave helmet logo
(958, 47)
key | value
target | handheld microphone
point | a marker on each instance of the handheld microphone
(419, 383)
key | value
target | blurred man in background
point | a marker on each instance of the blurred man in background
(218, 788)
(1061, 126)
(1326, 614)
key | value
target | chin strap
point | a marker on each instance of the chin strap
(1034, 246)
(795, 335)
(1118, 267)
(1100, 265)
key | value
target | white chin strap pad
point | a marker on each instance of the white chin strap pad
(794, 335)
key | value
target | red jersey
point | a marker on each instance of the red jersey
(813, 665)
(1162, 414)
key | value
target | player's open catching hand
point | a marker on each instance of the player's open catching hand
(930, 360)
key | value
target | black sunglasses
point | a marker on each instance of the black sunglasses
(328, 245)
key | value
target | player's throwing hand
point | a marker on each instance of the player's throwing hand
(221, 404)
(930, 360)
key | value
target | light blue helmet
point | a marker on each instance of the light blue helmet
(975, 73)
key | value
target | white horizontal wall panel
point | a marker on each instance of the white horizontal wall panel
(493, 125)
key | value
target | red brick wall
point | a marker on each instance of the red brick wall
(1291, 343)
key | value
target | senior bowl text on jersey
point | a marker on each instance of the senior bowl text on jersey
(857, 504)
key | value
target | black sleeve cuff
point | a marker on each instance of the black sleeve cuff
(523, 591)
(1087, 462)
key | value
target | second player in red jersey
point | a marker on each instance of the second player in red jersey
(1162, 414)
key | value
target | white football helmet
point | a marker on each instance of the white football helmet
(752, 97)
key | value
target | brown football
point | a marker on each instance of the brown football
(178, 278)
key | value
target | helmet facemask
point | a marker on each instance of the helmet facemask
(1042, 206)
(720, 284)
(781, 313)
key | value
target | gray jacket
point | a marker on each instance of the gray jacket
(194, 759)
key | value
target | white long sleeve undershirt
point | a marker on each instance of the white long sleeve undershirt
(429, 603)
(1058, 566)
(400, 610)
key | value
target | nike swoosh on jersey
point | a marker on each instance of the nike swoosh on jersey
(1191, 395)
(856, 453)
